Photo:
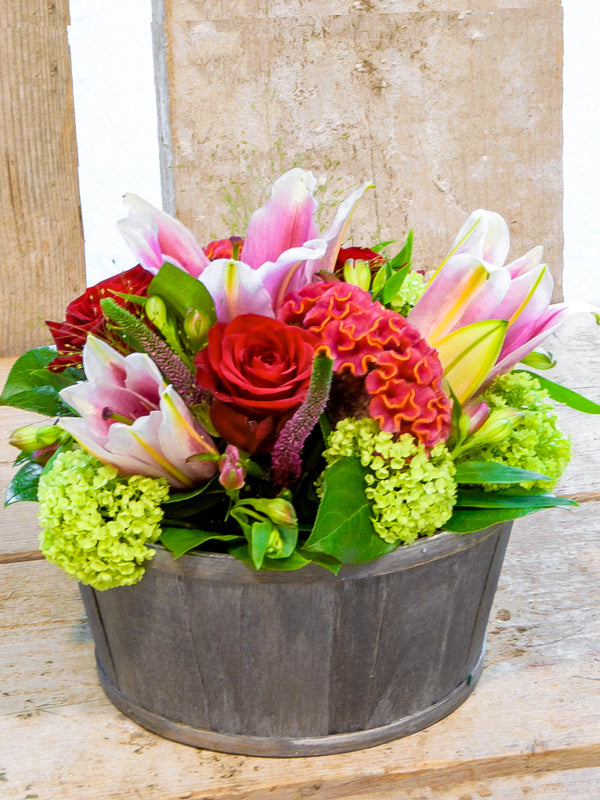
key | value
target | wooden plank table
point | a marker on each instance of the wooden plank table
(530, 729)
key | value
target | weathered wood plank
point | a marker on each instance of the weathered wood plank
(40, 222)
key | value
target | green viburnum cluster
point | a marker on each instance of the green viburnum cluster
(96, 523)
(411, 290)
(412, 493)
(535, 442)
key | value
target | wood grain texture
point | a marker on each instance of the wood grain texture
(445, 109)
(40, 221)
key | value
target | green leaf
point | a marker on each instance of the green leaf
(29, 384)
(260, 535)
(293, 562)
(392, 286)
(24, 485)
(332, 564)
(479, 499)
(181, 540)
(343, 527)
(182, 292)
(566, 396)
(404, 257)
(467, 520)
(493, 472)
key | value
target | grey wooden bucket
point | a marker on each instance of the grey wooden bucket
(210, 653)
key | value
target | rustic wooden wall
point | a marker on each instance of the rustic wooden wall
(448, 105)
(41, 239)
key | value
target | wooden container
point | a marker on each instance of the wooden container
(207, 652)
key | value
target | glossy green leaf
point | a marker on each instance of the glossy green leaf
(566, 396)
(182, 292)
(392, 286)
(467, 520)
(493, 472)
(181, 540)
(473, 498)
(24, 485)
(292, 562)
(260, 535)
(343, 527)
(29, 384)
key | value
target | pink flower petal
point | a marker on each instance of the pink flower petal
(236, 289)
(155, 237)
(285, 221)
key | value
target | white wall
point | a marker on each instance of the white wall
(115, 112)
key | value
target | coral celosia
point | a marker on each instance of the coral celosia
(535, 441)
(95, 523)
(402, 372)
(412, 493)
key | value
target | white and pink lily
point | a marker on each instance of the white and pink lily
(473, 285)
(131, 419)
(282, 251)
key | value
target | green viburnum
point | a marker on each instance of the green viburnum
(411, 290)
(412, 493)
(96, 523)
(535, 441)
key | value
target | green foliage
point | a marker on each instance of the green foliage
(31, 386)
(95, 523)
(411, 493)
(535, 442)
(24, 485)
(182, 540)
(566, 396)
(343, 528)
(411, 290)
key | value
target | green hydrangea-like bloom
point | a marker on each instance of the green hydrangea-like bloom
(411, 290)
(536, 442)
(412, 493)
(96, 523)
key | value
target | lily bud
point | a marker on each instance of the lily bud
(357, 272)
(28, 439)
(231, 470)
(539, 359)
(497, 427)
(196, 326)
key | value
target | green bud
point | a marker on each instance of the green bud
(357, 272)
(275, 545)
(539, 359)
(156, 311)
(196, 326)
(28, 439)
(496, 428)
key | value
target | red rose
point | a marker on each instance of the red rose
(224, 248)
(257, 370)
(84, 315)
(373, 259)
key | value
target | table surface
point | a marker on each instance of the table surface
(531, 729)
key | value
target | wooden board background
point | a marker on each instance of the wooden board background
(41, 239)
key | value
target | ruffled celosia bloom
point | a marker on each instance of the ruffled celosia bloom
(95, 524)
(131, 419)
(257, 370)
(534, 440)
(84, 315)
(401, 371)
(412, 491)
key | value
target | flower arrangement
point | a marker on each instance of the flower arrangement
(287, 400)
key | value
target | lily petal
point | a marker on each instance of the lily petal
(439, 309)
(468, 355)
(484, 235)
(285, 221)
(293, 269)
(527, 262)
(236, 289)
(334, 235)
(156, 237)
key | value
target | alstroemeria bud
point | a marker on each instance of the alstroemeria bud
(29, 438)
(156, 311)
(231, 470)
(196, 326)
(357, 272)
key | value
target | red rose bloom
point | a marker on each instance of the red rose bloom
(84, 315)
(257, 370)
(373, 259)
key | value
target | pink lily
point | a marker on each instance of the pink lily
(473, 284)
(282, 250)
(131, 419)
